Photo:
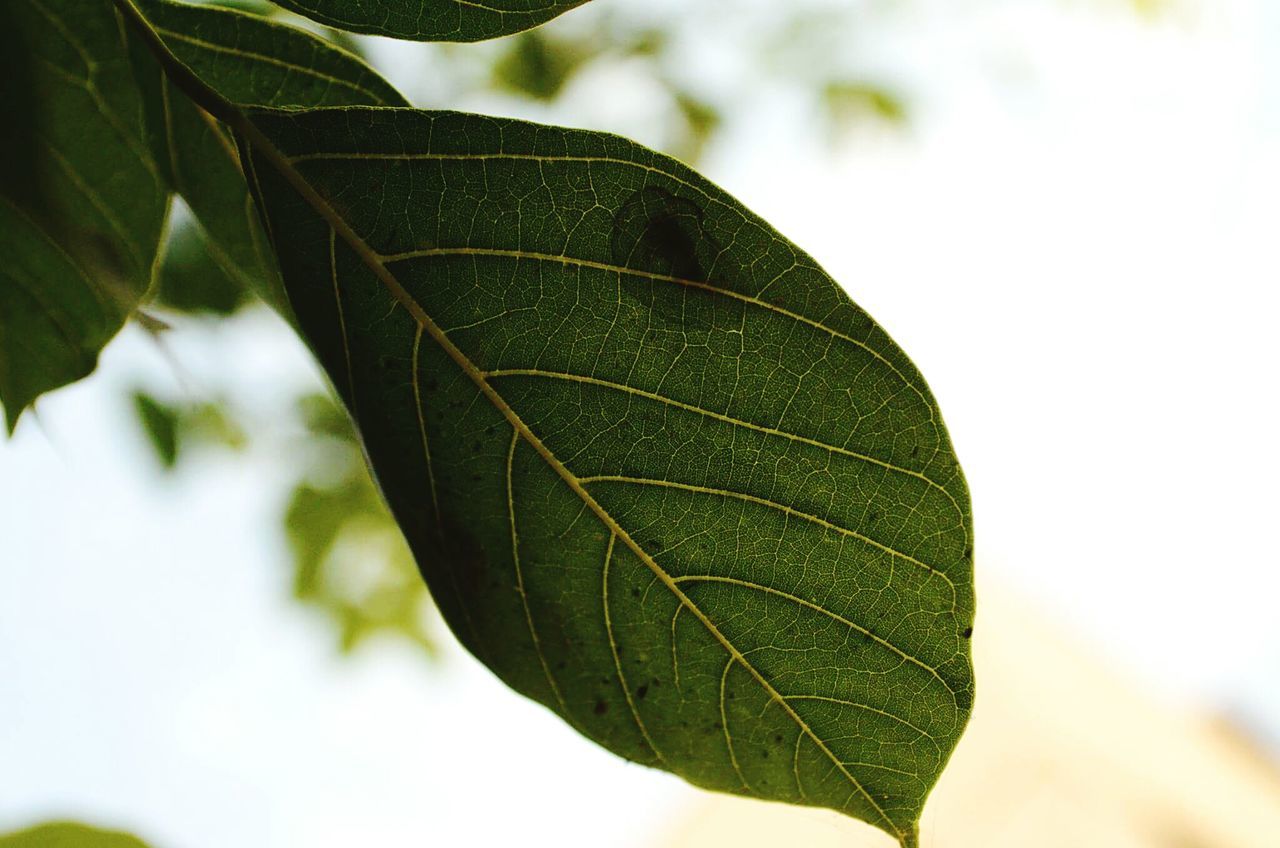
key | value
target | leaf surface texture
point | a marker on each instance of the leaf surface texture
(433, 20)
(660, 472)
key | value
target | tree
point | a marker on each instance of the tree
(659, 472)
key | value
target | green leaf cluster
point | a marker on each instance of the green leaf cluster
(659, 472)
(104, 142)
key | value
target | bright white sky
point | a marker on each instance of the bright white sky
(1075, 242)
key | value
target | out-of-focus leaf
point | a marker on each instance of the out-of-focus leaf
(433, 20)
(662, 475)
(210, 423)
(192, 280)
(324, 417)
(160, 423)
(535, 66)
(701, 120)
(69, 835)
(350, 559)
(83, 174)
(848, 101)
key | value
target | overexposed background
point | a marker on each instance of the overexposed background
(1073, 234)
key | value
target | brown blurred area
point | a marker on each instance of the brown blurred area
(1062, 752)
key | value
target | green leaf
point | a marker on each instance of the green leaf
(847, 100)
(349, 558)
(101, 140)
(433, 20)
(160, 422)
(83, 174)
(537, 67)
(250, 61)
(54, 318)
(68, 835)
(661, 474)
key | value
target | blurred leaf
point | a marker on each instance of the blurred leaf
(645, 42)
(701, 120)
(210, 423)
(536, 66)
(69, 835)
(849, 101)
(350, 559)
(432, 20)
(191, 280)
(174, 428)
(598, 392)
(160, 423)
(324, 417)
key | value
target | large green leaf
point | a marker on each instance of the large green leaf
(83, 174)
(433, 20)
(660, 473)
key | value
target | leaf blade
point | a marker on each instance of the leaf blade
(456, 165)
(433, 20)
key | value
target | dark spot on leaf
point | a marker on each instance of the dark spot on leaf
(642, 691)
(915, 451)
(777, 737)
(657, 232)
(602, 707)
(967, 632)
(635, 592)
